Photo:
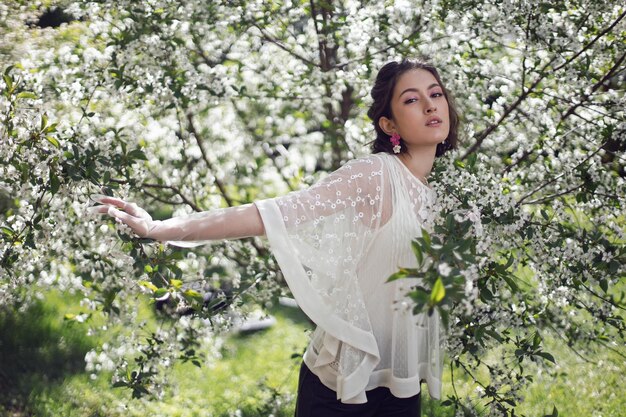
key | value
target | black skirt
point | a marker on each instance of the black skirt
(317, 400)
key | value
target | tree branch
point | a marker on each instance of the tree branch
(612, 349)
(587, 46)
(584, 97)
(207, 161)
(576, 352)
(541, 186)
(482, 135)
(417, 30)
(553, 196)
(176, 191)
(208, 61)
(608, 301)
(269, 38)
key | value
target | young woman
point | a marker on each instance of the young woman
(338, 241)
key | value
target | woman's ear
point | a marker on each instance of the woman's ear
(386, 125)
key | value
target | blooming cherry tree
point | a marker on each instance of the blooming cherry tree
(185, 106)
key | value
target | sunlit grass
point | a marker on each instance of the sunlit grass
(591, 387)
(252, 367)
(257, 375)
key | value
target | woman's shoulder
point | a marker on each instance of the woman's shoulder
(371, 162)
(374, 157)
(361, 168)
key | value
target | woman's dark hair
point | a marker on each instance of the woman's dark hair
(382, 92)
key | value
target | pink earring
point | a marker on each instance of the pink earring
(395, 140)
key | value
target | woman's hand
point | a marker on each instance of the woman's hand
(218, 224)
(133, 216)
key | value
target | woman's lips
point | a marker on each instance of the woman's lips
(434, 122)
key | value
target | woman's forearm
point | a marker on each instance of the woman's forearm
(225, 223)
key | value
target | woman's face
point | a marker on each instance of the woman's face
(420, 110)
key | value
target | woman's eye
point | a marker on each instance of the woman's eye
(437, 95)
(411, 100)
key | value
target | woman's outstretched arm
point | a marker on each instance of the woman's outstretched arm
(224, 223)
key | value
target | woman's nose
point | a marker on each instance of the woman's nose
(429, 107)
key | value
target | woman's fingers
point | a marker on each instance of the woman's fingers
(139, 225)
(135, 210)
(132, 215)
(128, 207)
(105, 199)
(98, 209)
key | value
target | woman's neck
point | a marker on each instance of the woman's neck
(419, 161)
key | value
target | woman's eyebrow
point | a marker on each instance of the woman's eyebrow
(416, 90)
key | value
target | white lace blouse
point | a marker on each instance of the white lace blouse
(336, 243)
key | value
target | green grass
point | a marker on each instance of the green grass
(42, 357)
(593, 386)
(254, 369)
(37, 350)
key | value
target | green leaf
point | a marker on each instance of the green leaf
(27, 94)
(55, 183)
(160, 292)
(7, 231)
(193, 294)
(509, 401)
(8, 81)
(438, 292)
(53, 141)
(148, 285)
(396, 276)
(449, 221)
(547, 356)
(51, 128)
(418, 252)
(471, 160)
(509, 262)
(536, 340)
(176, 283)
(495, 335)
(486, 294)
(144, 240)
(137, 154)
(402, 273)
(511, 282)
(604, 285)
(44, 121)
(426, 237)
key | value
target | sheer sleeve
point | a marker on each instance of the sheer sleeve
(318, 237)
